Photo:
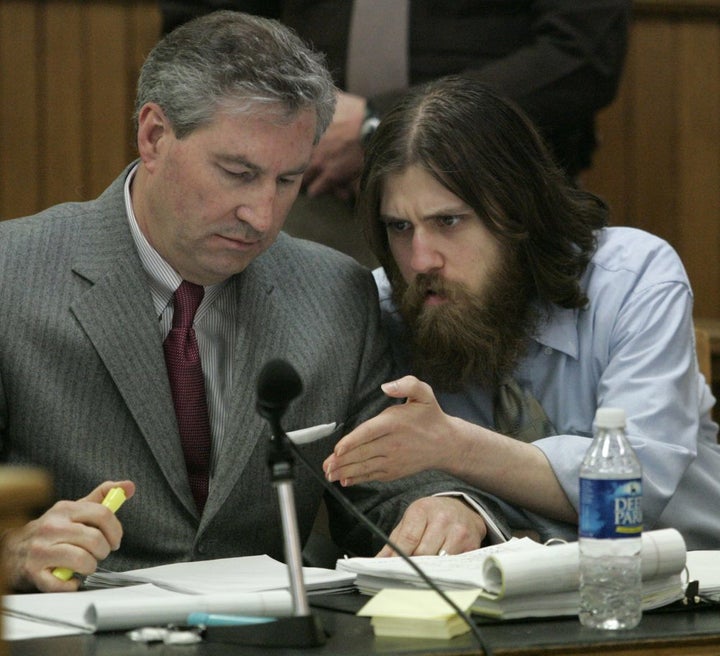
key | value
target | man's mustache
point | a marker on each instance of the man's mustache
(433, 283)
(244, 232)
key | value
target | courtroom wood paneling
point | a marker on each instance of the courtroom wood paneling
(19, 109)
(658, 164)
(68, 71)
(63, 103)
(109, 95)
(688, 8)
(699, 162)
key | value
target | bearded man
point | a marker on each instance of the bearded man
(515, 313)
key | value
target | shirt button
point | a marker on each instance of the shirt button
(547, 350)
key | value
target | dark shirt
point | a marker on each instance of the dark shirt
(560, 60)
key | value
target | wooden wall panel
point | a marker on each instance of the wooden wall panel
(698, 180)
(658, 164)
(63, 102)
(19, 108)
(655, 141)
(68, 71)
(611, 173)
(109, 95)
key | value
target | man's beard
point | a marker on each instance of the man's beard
(470, 339)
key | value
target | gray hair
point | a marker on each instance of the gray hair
(232, 61)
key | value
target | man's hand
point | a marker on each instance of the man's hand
(337, 159)
(72, 534)
(434, 524)
(418, 435)
(400, 441)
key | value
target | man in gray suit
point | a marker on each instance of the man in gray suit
(228, 110)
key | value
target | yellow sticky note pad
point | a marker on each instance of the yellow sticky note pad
(418, 613)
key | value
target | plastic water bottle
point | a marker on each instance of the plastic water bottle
(610, 532)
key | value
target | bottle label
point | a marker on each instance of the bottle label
(610, 508)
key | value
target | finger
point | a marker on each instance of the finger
(386, 552)
(410, 388)
(102, 490)
(365, 433)
(426, 546)
(393, 390)
(408, 535)
(91, 512)
(80, 554)
(338, 469)
(371, 469)
(87, 526)
(46, 581)
(359, 458)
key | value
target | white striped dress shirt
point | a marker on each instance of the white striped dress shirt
(215, 326)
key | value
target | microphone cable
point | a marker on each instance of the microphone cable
(278, 384)
(347, 505)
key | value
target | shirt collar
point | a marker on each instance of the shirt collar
(559, 331)
(162, 278)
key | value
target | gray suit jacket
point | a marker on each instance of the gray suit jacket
(84, 389)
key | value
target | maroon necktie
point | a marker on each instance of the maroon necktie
(188, 389)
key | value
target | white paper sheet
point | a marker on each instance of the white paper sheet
(241, 574)
(249, 585)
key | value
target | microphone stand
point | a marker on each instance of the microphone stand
(303, 629)
(281, 472)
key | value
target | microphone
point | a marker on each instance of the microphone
(278, 385)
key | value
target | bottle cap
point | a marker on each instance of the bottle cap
(610, 417)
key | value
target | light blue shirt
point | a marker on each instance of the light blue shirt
(632, 347)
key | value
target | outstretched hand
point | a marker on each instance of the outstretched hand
(72, 534)
(402, 440)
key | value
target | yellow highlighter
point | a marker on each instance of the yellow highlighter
(113, 500)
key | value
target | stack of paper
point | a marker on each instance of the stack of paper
(247, 573)
(523, 578)
(250, 585)
(66, 613)
(704, 567)
(456, 572)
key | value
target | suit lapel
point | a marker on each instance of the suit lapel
(117, 314)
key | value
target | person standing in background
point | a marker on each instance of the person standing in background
(559, 60)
